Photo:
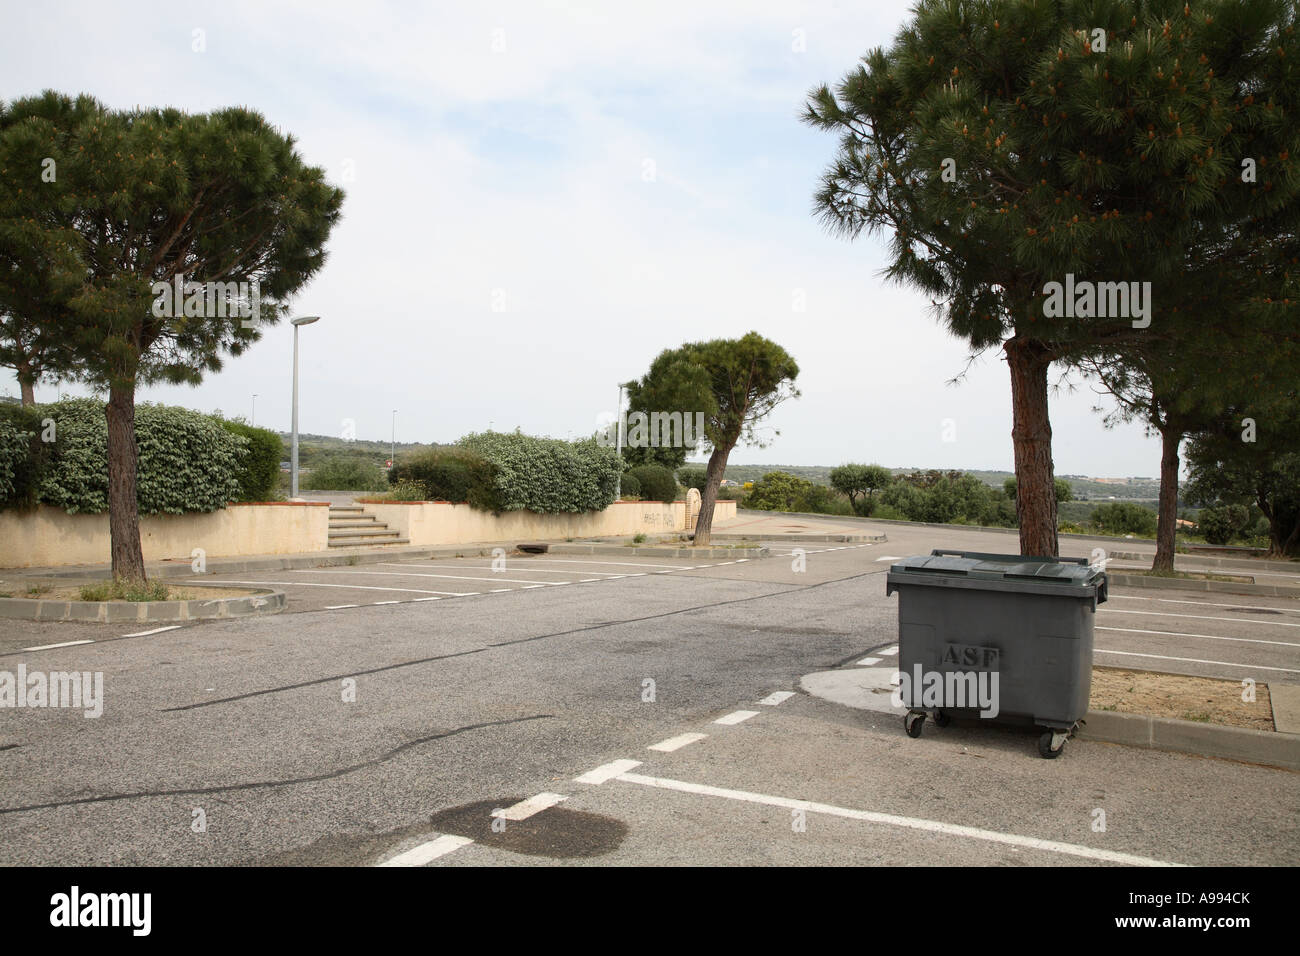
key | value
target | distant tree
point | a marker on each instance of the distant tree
(860, 480)
(141, 197)
(693, 477)
(737, 383)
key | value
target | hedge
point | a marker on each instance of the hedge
(341, 472)
(187, 461)
(548, 475)
(259, 474)
(628, 486)
(23, 456)
(449, 474)
(657, 483)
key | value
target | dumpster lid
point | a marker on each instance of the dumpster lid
(1062, 572)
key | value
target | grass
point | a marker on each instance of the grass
(638, 539)
(38, 589)
(119, 590)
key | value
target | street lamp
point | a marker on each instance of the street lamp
(392, 454)
(254, 419)
(293, 461)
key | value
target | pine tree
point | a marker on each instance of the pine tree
(1007, 144)
(142, 197)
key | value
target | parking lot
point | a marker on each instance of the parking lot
(606, 708)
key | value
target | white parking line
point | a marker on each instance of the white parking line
(1208, 637)
(1246, 607)
(418, 600)
(629, 564)
(889, 819)
(526, 808)
(1196, 660)
(339, 607)
(422, 574)
(607, 771)
(374, 603)
(868, 661)
(156, 630)
(427, 852)
(1201, 617)
(888, 651)
(517, 567)
(736, 716)
(776, 697)
(48, 647)
(676, 743)
(889, 557)
(354, 587)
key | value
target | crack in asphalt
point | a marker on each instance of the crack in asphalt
(256, 784)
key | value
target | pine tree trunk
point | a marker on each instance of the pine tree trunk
(1031, 436)
(712, 481)
(1171, 436)
(28, 390)
(123, 508)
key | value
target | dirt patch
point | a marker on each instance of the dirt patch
(1201, 699)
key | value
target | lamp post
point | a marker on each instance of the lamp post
(392, 453)
(293, 461)
(618, 424)
(253, 422)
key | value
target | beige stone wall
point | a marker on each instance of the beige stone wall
(50, 536)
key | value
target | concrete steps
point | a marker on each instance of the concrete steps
(351, 527)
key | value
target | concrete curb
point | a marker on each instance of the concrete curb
(657, 552)
(1192, 584)
(837, 538)
(1241, 564)
(1186, 736)
(265, 601)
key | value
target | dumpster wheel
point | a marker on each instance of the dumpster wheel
(913, 722)
(1051, 743)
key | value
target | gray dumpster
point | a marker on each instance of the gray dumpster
(996, 635)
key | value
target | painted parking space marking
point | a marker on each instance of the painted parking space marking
(526, 808)
(868, 661)
(776, 697)
(522, 565)
(50, 647)
(1207, 637)
(1201, 617)
(736, 717)
(889, 819)
(426, 574)
(630, 564)
(889, 557)
(354, 587)
(888, 651)
(156, 630)
(376, 603)
(1196, 660)
(1244, 607)
(339, 607)
(607, 771)
(427, 852)
(676, 743)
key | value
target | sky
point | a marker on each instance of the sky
(541, 197)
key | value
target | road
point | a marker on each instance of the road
(352, 730)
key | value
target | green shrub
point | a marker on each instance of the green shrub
(548, 475)
(340, 472)
(693, 476)
(629, 487)
(777, 491)
(186, 460)
(1124, 517)
(407, 490)
(259, 474)
(656, 482)
(24, 457)
(731, 493)
(1223, 523)
(449, 474)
